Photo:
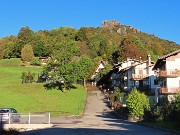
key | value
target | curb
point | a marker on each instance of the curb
(151, 126)
(159, 128)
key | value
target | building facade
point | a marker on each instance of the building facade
(167, 70)
(135, 73)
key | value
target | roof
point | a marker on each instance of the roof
(170, 54)
(160, 60)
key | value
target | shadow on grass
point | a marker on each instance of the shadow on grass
(58, 86)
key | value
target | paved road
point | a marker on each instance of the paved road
(97, 120)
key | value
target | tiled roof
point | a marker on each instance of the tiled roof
(160, 60)
(170, 54)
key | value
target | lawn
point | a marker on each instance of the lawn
(33, 98)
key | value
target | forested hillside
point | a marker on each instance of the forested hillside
(112, 42)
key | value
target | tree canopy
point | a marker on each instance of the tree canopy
(69, 47)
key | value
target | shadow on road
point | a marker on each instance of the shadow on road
(127, 130)
(74, 131)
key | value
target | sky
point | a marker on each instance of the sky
(158, 17)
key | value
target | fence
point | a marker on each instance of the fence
(26, 118)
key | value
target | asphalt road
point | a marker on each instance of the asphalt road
(97, 120)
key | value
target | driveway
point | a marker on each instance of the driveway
(97, 120)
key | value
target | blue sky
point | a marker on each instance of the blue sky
(158, 17)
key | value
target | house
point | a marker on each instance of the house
(167, 69)
(119, 75)
(100, 67)
(135, 73)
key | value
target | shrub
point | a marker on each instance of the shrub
(27, 77)
(177, 102)
(152, 116)
(170, 111)
(119, 95)
(35, 61)
(137, 102)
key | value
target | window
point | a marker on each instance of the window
(14, 111)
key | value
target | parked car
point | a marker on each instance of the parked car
(9, 115)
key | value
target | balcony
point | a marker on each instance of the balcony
(139, 76)
(168, 74)
(171, 90)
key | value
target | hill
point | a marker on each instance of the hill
(112, 42)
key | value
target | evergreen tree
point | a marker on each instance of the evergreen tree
(27, 53)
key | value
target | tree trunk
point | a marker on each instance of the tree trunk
(84, 81)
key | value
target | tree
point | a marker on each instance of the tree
(24, 37)
(83, 68)
(99, 45)
(25, 34)
(61, 67)
(27, 53)
(129, 48)
(137, 102)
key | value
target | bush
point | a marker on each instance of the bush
(137, 102)
(119, 95)
(177, 102)
(36, 61)
(27, 77)
(152, 116)
(170, 111)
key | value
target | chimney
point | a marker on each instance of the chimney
(140, 59)
(149, 59)
(149, 63)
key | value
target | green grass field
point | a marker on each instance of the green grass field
(33, 98)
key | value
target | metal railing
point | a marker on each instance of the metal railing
(25, 118)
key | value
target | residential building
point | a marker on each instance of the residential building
(100, 67)
(167, 69)
(135, 73)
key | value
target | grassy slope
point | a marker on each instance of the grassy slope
(34, 97)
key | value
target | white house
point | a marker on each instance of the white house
(100, 67)
(167, 68)
(135, 73)
(119, 76)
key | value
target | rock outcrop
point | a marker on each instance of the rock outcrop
(110, 24)
(121, 29)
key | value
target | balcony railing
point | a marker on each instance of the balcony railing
(168, 73)
(139, 76)
(170, 90)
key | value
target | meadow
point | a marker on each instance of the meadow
(34, 97)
